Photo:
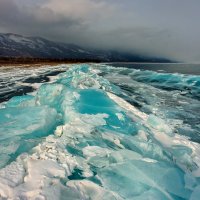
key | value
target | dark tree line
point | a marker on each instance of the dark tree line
(27, 60)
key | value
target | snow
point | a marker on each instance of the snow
(19, 39)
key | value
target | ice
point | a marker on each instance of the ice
(82, 77)
(140, 176)
(16, 174)
(21, 101)
(170, 81)
(20, 128)
(51, 95)
(170, 105)
(94, 101)
(172, 144)
(195, 195)
(32, 121)
(89, 190)
(79, 137)
(159, 124)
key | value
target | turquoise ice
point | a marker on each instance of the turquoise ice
(21, 128)
(79, 137)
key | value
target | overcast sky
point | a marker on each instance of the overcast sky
(167, 28)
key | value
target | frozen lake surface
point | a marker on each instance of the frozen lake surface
(94, 131)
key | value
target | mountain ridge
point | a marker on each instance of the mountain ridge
(18, 46)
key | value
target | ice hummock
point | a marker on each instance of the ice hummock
(21, 128)
(77, 138)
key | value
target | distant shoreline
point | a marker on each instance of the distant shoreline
(18, 61)
(41, 61)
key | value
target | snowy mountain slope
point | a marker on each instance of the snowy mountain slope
(13, 45)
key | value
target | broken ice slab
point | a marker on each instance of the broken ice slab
(94, 101)
(51, 95)
(21, 101)
(159, 180)
(22, 127)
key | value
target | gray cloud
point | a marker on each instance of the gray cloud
(159, 28)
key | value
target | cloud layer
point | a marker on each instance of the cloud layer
(154, 27)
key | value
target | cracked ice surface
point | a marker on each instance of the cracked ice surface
(77, 138)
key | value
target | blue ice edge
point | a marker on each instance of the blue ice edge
(102, 147)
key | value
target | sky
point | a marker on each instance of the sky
(162, 28)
